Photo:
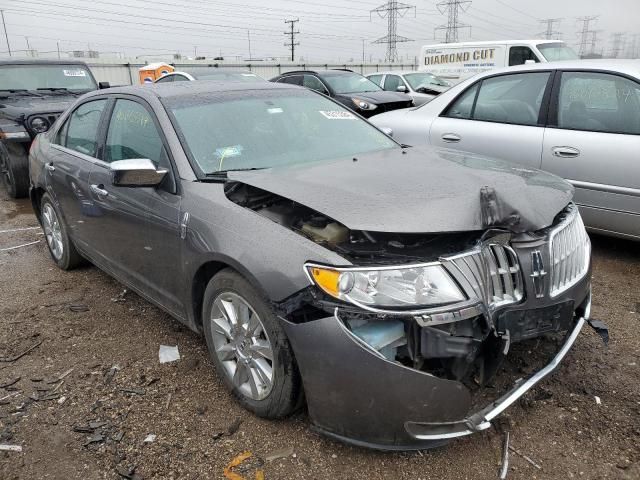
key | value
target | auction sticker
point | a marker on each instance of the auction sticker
(74, 73)
(337, 115)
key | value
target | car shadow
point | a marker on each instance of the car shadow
(613, 248)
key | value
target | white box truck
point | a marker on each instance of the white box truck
(458, 61)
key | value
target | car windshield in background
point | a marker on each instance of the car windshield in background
(556, 52)
(417, 80)
(229, 77)
(350, 83)
(265, 129)
(34, 77)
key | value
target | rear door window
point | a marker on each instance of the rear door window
(599, 102)
(81, 131)
(292, 79)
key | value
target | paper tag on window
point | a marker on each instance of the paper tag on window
(337, 115)
(74, 73)
(274, 110)
(226, 152)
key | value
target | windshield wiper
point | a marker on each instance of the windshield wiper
(59, 89)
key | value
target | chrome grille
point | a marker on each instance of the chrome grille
(570, 250)
(490, 273)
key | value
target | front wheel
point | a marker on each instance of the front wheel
(249, 347)
(61, 247)
(14, 169)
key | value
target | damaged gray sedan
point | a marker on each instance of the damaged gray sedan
(326, 265)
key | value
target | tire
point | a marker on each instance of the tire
(14, 169)
(61, 247)
(258, 329)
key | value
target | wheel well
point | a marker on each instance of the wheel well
(36, 197)
(200, 281)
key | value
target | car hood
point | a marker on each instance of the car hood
(378, 97)
(17, 105)
(423, 190)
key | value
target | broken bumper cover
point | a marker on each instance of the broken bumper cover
(358, 397)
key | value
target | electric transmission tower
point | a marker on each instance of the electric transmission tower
(453, 9)
(392, 10)
(549, 32)
(292, 37)
(632, 51)
(617, 40)
(585, 33)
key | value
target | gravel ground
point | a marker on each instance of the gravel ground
(83, 401)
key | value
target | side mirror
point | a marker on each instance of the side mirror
(401, 89)
(387, 131)
(103, 85)
(136, 172)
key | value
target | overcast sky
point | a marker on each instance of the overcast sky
(330, 30)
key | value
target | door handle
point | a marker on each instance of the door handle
(451, 138)
(50, 167)
(99, 190)
(565, 152)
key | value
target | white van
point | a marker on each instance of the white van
(458, 61)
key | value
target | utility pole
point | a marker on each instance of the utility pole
(195, 52)
(391, 10)
(6, 35)
(363, 60)
(617, 39)
(585, 33)
(453, 9)
(292, 36)
(249, 39)
(550, 33)
(58, 45)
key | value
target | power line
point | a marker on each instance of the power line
(292, 34)
(453, 9)
(549, 32)
(391, 10)
(586, 35)
(6, 35)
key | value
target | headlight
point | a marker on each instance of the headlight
(39, 124)
(363, 105)
(401, 287)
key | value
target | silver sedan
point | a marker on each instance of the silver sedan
(421, 86)
(578, 119)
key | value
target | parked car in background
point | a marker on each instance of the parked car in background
(33, 93)
(421, 86)
(311, 249)
(210, 73)
(458, 61)
(349, 88)
(579, 120)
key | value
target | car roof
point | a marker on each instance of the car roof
(319, 72)
(210, 70)
(487, 43)
(629, 67)
(34, 61)
(180, 89)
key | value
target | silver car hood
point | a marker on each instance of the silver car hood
(423, 190)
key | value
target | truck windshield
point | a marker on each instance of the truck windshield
(254, 129)
(33, 77)
(555, 52)
(350, 83)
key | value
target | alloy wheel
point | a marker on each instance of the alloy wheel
(52, 231)
(242, 345)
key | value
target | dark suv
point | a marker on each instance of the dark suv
(350, 89)
(33, 94)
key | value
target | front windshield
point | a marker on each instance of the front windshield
(417, 80)
(269, 128)
(350, 83)
(34, 77)
(556, 52)
(230, 77)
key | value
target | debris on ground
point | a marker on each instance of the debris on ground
(78, 307)
(236, 462)
(10, 448)
(128, 473)
(133, 390)
(168, 353)
(20, 355)
(19, 246)
(10, 383)
(110, 374)
(150, 438)
(598, 401)
(504, 469)
(527, 458)
(121, 297)
(234, 427)
(283, 453)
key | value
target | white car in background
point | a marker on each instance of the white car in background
(578, 119)
(421, 86)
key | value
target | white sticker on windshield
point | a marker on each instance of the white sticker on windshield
(274, 110)
(226, 152)
(337, 115)
(248, 74)
(74, 73)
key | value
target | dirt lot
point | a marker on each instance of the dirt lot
(82, 402)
